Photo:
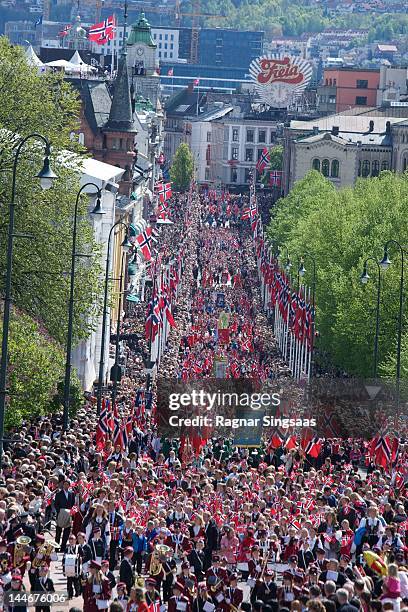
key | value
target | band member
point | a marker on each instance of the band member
(115, 523)
(286, 593)
(202, 599)
(197, 557)
(122, 597)
(189, 581)
(265, 590)
(43, 584)
(71, 567)
(108, 574)
(126, 574)
(97, 545)
(178, 602)
(16, 585)
(216, 571)
(20, 552)
(233, 595)
(152, 594)
(178, 542)
(84, 552)
(170, 571)
(42, 553)
(96, 592)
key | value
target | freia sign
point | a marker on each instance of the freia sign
(279, 79)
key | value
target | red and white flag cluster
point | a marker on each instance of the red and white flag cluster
(163, 190)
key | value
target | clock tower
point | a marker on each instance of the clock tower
(141, 60)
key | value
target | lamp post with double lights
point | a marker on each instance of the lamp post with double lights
(126, 245)
(364, 278)
(385, 264)
(116, 372)
(46, 177)
(97, 210)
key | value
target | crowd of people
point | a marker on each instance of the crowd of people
(153, 524)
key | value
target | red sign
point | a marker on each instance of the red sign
(279, 71)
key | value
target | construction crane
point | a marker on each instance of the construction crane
(195, 16)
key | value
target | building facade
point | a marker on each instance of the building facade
(344, 148)
(345, 88)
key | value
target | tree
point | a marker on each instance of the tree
(48, 105)
(36, 364)
(341, 228)
(181, 171)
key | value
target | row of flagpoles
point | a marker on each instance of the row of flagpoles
(292, 308)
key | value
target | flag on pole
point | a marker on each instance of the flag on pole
(39, 21)
(104, 31)
(275, 178)
(263, 161)
(144, 240)
(170, 72)
(196, 82)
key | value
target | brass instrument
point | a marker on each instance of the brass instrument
(155, 566)
(20, 547)
(45, 550)
(163, 551)
(190, 584)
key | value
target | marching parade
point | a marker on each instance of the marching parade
(136, 521)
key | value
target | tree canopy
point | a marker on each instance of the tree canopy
(182, 168)
(340, 229)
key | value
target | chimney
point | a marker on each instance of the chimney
(335, 130)
(388, 127)
(371, 128)
(315, 130)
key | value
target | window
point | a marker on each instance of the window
(405, 164)
(365, 169)
(166, 37)
(262, 136)
(171, 36)
(165, 45)
(81, 138)
(208, 136)
(165, 54)
(375, 168)
(160, 36)
(332, 99)
(250, 136)
(207, 174)
(325, 167)
(334, 173)
(234, 153)
(362, 84)
(171, 46)
(361, 100)
(234, 176)
(247, 175)
(235, 135)
(249, 155)
(384, 165)
(316, 164)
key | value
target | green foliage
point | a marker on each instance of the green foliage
(75, 394)
(276, 158)
(181, 171)
(36, 363)
(47, 105)
(341, 229)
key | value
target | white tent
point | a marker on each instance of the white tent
(71, 68)
(77, 60)
(32, 57)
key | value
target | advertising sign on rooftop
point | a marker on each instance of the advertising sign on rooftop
(280, 79)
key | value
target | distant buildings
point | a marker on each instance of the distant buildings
(344, 147)
(344, 88)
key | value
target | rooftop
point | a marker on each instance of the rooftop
(141, 32)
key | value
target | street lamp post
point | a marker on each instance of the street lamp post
(385, 264)
(364, 278)
(116, 365)
(46, 176)
(97, 210)
(126, 245)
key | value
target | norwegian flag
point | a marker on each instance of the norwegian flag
(117, 430)
(295, 524)
(153, 319)
(263, 161)
(104, 31)
(164, 191)
(314, 447)
(155, 606)
(275, 178)
(275, 442)
(167, 311)
(125, 437)
(290, 443)
(381, 450)
(65, 30)
(144, 241)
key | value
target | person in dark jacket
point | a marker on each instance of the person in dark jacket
(64, 500)
(126, 568)
(43, 584)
